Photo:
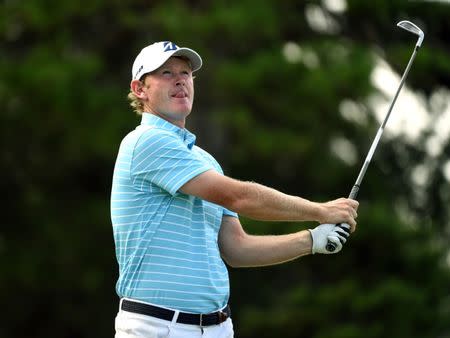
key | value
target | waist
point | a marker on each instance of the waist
(198, 288)
(202, 320)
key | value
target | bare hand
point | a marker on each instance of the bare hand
(342, 210)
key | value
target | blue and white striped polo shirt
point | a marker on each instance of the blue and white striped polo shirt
(166, 241)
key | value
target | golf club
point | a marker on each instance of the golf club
(409, 26)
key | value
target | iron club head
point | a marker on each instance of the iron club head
(409, 26)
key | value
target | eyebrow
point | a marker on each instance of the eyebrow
(184, 58)
(162, 68)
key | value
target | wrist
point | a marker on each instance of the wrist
(316, 212)
(304, 242)
(310, 242)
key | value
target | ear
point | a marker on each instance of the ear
(137, 87)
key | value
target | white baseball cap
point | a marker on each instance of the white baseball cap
(153, 56)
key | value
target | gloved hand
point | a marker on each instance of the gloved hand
(337, 234)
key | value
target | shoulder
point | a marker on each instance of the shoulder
(208, 157)
(150, 132)
(153, 136)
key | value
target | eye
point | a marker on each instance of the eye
(166, 72)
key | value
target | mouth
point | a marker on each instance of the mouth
(180, 95)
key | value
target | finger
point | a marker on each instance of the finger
(354, 204)
(351, 221)
(337, 239)
(343, 236)
(344, 229)
(351, 228)
(334, 239)
(351, 210)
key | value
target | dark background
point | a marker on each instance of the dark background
(301, 124)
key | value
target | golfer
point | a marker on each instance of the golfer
(175, 214)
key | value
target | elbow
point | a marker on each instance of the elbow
(238, 199)
(229, 261)
(232, 261)
(236, 205)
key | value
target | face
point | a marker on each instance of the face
(169, 91)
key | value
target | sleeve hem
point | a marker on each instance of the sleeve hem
(187, 178)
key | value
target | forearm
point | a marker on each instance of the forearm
(262, 203)
(249, 250)
(259, 202)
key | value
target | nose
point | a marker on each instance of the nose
(180, 81)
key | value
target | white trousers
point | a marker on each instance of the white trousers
(134, 325)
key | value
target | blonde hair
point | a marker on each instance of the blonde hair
(135, 103)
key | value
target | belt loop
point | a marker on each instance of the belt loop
(120, 304)
(174, 320)
(201, 321)
(175, 317)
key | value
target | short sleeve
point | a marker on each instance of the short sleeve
(227, 212)
(162, 159)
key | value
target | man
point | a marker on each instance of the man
(175, 214)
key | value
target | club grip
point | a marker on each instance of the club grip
(354, 192)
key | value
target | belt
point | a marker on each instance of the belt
(209, 319)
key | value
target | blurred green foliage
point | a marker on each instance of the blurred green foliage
(268, 107)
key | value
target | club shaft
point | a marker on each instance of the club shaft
(354, 192)
(373, 147)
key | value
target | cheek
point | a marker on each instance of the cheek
(157, 96)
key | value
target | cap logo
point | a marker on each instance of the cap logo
(169, 46)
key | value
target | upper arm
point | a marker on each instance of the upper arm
(231, 237)
(216, 188)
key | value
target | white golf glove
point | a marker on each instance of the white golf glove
(337, 234)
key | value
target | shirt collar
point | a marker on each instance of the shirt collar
(185, 135)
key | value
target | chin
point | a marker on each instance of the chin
(180, 114)
(183, 111)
